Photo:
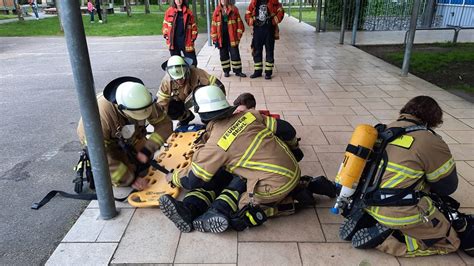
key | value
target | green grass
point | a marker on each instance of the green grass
(308, 15)
(138, 24)
(153, 8)
(8, 16)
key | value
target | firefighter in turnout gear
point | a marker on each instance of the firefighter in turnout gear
(263, 172)
(406, 219)
(264, 16)
(226, 30)
(174, 95)
(180, 30)
(125, 107)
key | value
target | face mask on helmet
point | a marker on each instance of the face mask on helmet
(177, 72)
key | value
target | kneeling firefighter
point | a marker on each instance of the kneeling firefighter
(401, 205)
(174, 95)
(125, 108)
(243, 172)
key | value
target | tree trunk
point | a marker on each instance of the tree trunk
(147, 6)
(202, 3)
(129, 9)
(104, 10)
(195, 9)
(58, 10)
(19, 11)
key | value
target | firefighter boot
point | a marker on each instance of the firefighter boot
(322, 186)
(211, 221)
(256, 74)
(354, 222)
(177, 212)
(268, 76)
(367, 238)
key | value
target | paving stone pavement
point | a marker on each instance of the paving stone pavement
(325, 90)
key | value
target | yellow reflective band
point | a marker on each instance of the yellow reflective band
(212, 80)
(258, 68)
(235, 194)
(271, 123)
(248, 12)
(236, 67)
(233, 131)
(268, 68)
(216, 23)
(229, 201)
(200, 172)
(252, 148)
(270, 212)
(240, 31)
(258, 64)
(225, 61)
(117, 175)
(231, 22)
(175, 179)
(429, 252)
(401, 173)
(286, 188)
(404, 141)
(236, 62)
(156, 138)
(269, 64)
(194, 24)
(194, 32)
(210, 192)
(250, 218)
(443, 169)
(213, 35)
(272, 168)
(163, 95)
(199, 195)
(168, 23)
(411, 244)
(226, 66)
(395, 221)
(276, 19)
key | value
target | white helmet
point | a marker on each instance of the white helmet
(134, 100)
(210, 103)
(177, 67)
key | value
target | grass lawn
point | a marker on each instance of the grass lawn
(117, 25)
(308, 15)
(7, 16)
(444, 64)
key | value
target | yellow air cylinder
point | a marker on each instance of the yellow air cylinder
(353, 165)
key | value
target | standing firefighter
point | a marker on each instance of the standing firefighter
(226, 31)
(124, 107)
(264, 16)
(180, 30)
(250, 157)
(174, 95)
(408, 218)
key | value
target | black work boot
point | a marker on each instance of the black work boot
(240, 74)
(354, 222)
(322, 186)
(371, 237)
(226, 74)
(177, 212)
(256, 74)
(211, 221)
(268, 76)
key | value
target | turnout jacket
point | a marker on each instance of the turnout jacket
(235, 26)
(190, 28)
(420, 156)
(245, 145)
(171, 90)
(275, 10)
(113, 121)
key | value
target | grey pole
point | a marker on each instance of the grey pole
(300, 10)
(411, 37)
(355, 25)
(84, 83)
(289, 8)
(343, 22)
(318, 16)
(208, 19)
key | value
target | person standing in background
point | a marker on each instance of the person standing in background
(34, 7)
(90, 9)
(99, 10)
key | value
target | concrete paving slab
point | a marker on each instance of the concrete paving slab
(465, 170)
(303, 226)
(82, 254)
(265, 253)
(342, 254)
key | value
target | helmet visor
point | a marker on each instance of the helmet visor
(176, 72)
(141, 114)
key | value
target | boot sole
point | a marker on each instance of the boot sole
(354, 223)
(169, 209)
(214, 225)
(364, 240)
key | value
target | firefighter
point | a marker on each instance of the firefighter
(226, 31)
(263, 175)
(124, 107)
(174, 95)
(264, 16)
(180, 30)
(420, 162)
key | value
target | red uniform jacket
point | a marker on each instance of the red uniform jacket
(276, 14)
(235, 26)
(191, 30)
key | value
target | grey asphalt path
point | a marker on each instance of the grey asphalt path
(38, 119)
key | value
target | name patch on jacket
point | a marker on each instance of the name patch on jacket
(404, 141)
(233, 131)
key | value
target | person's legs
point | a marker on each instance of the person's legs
(92, 16)
(225, 59)
(99, 14)
(269, 59)
(236, 61)
(257, 51)
(191, 55)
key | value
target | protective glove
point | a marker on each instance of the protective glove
(176, 109)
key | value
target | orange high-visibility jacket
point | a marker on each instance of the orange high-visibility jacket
(191, 30)
(275, 9)
(235, 26)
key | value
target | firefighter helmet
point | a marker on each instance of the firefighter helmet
(210, 103)
(177, 67)
(134, 100)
